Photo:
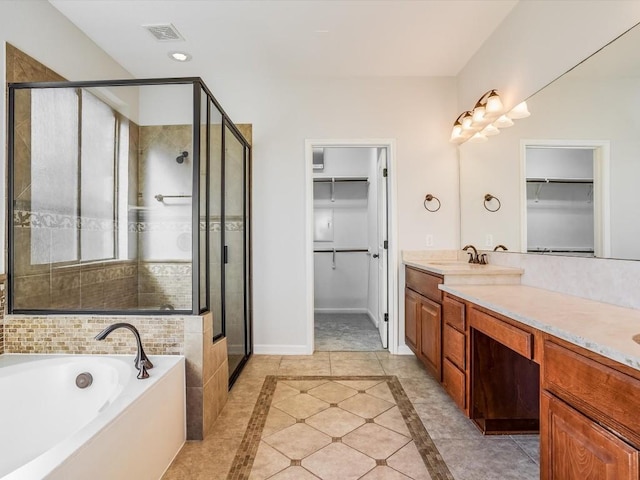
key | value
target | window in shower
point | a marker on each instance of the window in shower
(73, 177)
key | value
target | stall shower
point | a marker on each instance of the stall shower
(129, 197)
(350, 285)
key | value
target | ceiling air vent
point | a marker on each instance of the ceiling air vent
(164, 33)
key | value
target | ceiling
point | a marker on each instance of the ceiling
(291, 37)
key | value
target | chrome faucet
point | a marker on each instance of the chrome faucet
(473, 257)
(495, 249)
(141, 361)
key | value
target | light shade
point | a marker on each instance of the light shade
(503, 122)
(519, 111)
(467, 121)
(494, 104)
(490, 130)
(478, 137)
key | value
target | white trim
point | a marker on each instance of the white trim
(404, 350)
(281, 350)
(393, 252)
(373, 319)
(601, 182)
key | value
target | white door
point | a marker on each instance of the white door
(383, 282)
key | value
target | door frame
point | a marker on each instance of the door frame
(601, 188)
(392, 223)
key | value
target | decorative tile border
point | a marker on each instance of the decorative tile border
(49, 220)
(246, 454)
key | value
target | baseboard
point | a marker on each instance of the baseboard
(282, 350)
(373, 319)
(404, 350)
(340, 310)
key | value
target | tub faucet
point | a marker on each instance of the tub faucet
(141, 361)
(473, 257)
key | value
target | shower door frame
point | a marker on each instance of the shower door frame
(197, 309)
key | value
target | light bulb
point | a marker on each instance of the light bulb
(456, 133)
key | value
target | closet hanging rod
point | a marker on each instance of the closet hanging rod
(160, 197)
(560, 180)
(341, 250)
(340, 179)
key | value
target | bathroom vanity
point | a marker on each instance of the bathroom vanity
(518, 359)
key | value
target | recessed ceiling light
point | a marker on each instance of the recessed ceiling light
(180, 56)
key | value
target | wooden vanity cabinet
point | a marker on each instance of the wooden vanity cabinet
(589, 417)
(423, 318)
(454, 351)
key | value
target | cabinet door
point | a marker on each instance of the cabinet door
(431, 336)
(411, 305)
(573, 447)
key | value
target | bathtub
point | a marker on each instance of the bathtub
(117, 428)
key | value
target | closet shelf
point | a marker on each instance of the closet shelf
(559, 180)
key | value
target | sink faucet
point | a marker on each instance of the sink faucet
(141, 361)
(473, 257)
(495, 249)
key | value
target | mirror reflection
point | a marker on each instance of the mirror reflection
(567, 175)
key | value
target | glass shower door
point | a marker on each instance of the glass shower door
(235, 315)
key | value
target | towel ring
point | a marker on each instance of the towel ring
(487, 198)
(430, 198)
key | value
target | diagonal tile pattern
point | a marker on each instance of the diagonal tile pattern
(468, 454)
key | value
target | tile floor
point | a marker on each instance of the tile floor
(468, 454)
(348, 332)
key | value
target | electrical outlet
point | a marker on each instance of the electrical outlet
(429, 240)
(488, 240)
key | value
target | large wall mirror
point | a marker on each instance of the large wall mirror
(568, 176)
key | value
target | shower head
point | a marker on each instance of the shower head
(180, 158)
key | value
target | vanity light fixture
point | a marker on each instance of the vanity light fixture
(486, 119)
(180, 56)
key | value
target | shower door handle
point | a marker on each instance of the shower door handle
(225, 254)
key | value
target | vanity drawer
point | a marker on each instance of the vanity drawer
(453, 313)
(597, 390)
(424, 283)
(454, 382)
(518, 340)
(453, 346)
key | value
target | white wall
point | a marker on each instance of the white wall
(416, 112)
(39, 30)
(538, 42)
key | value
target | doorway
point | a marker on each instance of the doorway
(349, 247)
(565, 198)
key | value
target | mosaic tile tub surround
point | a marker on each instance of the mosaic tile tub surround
(336, 427)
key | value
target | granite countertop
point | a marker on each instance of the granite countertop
(602, 328)
(457, 267)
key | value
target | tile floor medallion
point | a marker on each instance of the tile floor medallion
(336, 428)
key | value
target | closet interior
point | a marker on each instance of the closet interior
(346, 249)
(560, 200)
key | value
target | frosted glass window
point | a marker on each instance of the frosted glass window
(97, 179)
(54, 175)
